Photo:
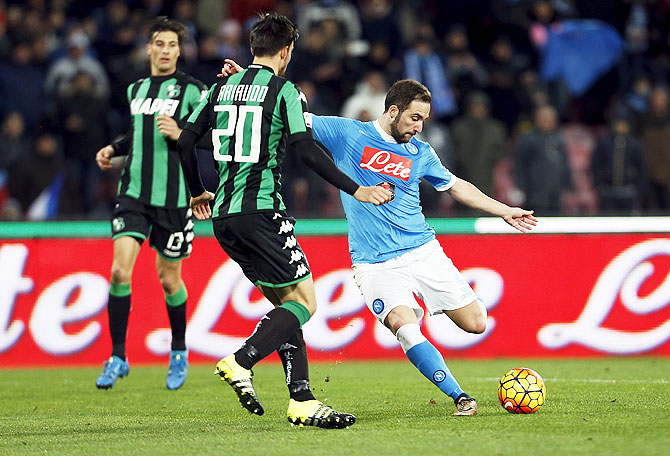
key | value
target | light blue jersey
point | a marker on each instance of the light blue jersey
(370, 156)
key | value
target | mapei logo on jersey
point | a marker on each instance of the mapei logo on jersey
(385, 162)
(151, 106)
(173, 90)
(377, 306)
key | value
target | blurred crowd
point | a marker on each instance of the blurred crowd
(559, 106)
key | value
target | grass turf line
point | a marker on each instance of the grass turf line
(597, 406)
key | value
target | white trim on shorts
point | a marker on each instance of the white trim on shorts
(425, 271)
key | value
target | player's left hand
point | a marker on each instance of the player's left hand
(230, 67)
(375, 195)
(520, 219)
(168, 126)
(200, 205)
(104, 157)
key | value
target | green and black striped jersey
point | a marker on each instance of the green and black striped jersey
(253, 115)
(153, 173)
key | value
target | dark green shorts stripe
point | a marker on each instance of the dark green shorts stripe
(281, 285)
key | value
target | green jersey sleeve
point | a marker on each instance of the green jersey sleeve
(199, 122)
(296, 107)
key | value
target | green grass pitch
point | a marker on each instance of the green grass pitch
(608, 406)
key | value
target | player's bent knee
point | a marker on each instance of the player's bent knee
(121, 274)
(477, 325)
(398, 317)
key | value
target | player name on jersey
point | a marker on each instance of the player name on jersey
(385, 162)
(151, 106)
(242, 92)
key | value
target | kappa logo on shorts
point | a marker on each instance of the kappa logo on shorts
(377, 306)
(296, 255)
(286, 227)
(118, 224)
(439, 376)
(290, 243)
(301, 271)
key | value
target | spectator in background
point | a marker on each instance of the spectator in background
(423, 64)
(636, 101)
(43, 174)
(530, 94)
(367, 102)
(314, 61)
(619, 168)
(378, 58)
(231, 45)
(13, 143)
(637, 43)
(503, 68)
(658, 56)
(184, 12)
(22, 85)
(656, 137)
(114, 36)
(465, 71)
(543, 14)
(208, 64)
(81, 115)
(319, 102)
(479, 142)
(541, 164)
(63, 70)
(116, 45)
(342, 12)
(380, 24)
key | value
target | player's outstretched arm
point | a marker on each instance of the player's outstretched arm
(314, 156)
(469, 195)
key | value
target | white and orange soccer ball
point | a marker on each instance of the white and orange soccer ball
(522, 390)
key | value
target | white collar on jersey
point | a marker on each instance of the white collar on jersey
(385, 136)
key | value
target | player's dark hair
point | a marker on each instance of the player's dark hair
(404, 92)
(271, 34)
(163, 24)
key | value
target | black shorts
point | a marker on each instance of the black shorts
(264, 245)
(170, 231)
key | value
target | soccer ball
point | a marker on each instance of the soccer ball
(522, 390)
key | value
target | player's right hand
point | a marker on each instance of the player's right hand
(200, 205)
(230, 67)
(375, 195)
(104, 157)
